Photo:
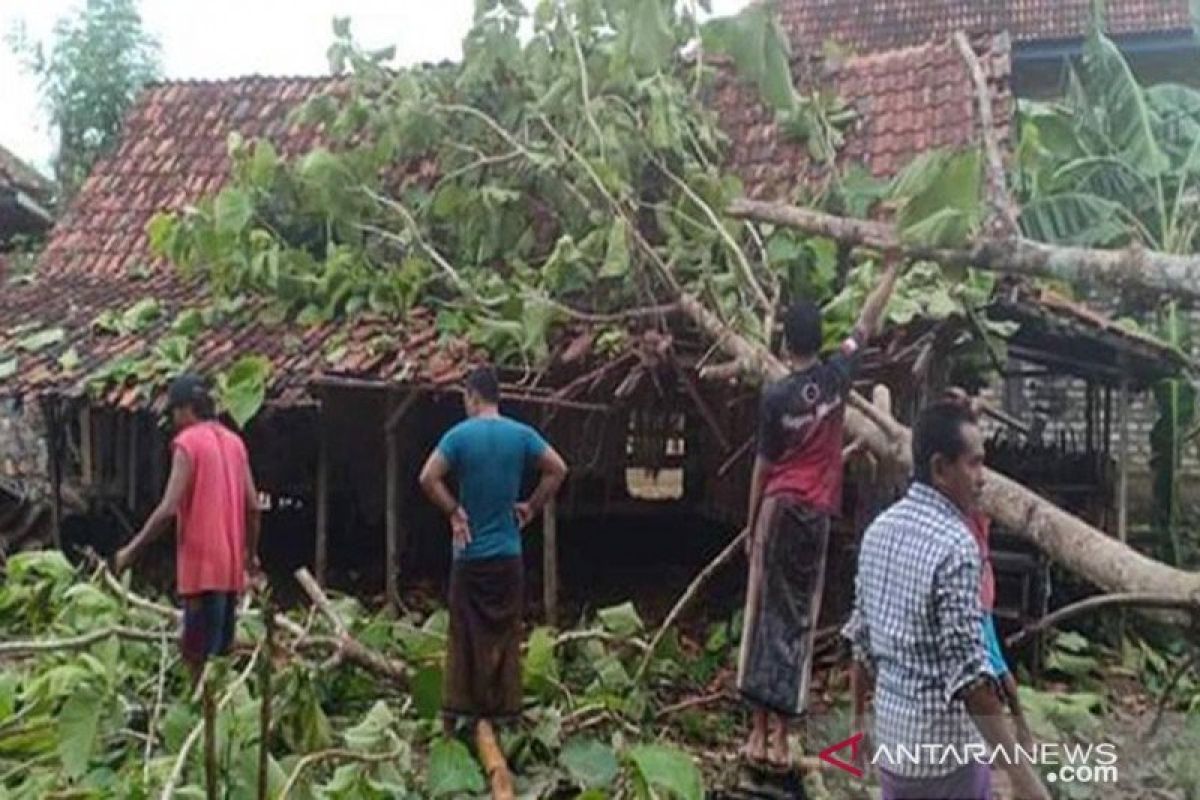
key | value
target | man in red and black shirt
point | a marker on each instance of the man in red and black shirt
(795, 489)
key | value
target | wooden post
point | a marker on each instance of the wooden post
(50, 412)
(85, 445)
(550, 561)
(322, 554)
(395, 531)
(1123, 466)
(392, 565)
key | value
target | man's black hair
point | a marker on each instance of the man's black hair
(191, 391)
(802, 328)
(939, 431)
(482, 381)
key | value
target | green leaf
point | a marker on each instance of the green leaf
(263, 164)
(940, 200)
(188, 323)
(651, 43)
(372, 734)
(427, 692)
(1073, 218)
(1110, 87)
(668, 769)
(233, 210)
(452, 770)
(760, 52)
(616, 253)
(243, 389)
(591, 764)
(78, 725)
(140, 315)
(541, 667)
(622, 620)
(8, 368)
(68, 362)
(41, 340)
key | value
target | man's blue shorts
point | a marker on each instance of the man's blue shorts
(991, 640)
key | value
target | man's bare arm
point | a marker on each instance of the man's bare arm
(554, 471)
(433, 481)
(177, 484)
(872, 310)
(253, 520)
(985, 708)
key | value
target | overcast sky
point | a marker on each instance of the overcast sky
(225, 38)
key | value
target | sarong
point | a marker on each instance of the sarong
(783, 601)
(972, 782)
(483, 657)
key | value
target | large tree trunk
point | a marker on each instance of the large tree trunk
(1070, 541)
(1135, 267)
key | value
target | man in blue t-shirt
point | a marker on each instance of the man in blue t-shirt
(488, 454)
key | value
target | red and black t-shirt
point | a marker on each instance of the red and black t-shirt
(800, 429)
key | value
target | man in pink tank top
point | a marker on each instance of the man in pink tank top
(211, 497)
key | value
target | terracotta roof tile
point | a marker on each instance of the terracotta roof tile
(907, 101)
(874, 25)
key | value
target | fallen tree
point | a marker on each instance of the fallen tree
(557, 203)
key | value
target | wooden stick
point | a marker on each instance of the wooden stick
(494, 764)
(17, 648)
(693, 589)
(335, 754)
(693, 702)
(351, 648)
(168, 791)
(209, 712)
(1179, 672)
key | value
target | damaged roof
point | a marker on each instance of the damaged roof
(866, 26)
(906, 102)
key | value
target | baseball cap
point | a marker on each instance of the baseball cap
(187, 389)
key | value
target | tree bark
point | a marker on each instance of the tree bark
(1131, 268)
(1068, 540)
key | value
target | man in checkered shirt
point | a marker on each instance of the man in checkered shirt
(916, 628)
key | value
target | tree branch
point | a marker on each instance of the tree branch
(36, 646)
(1140, 599)
(1133, 267)
(1004, 210)
(334, 754)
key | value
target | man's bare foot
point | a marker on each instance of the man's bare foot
(780, 757)
(754, 751)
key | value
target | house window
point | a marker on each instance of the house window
(655, 451)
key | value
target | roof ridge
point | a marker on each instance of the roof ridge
(253, 77)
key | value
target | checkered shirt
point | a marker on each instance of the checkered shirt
(917, 624)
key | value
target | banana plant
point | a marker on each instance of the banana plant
(1114, 163)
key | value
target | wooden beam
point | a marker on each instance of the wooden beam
(550, 561)
(322, 548)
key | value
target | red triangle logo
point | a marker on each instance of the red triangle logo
(827, 755)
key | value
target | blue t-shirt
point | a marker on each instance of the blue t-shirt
(489, 457)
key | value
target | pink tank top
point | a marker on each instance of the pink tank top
(212, 516)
